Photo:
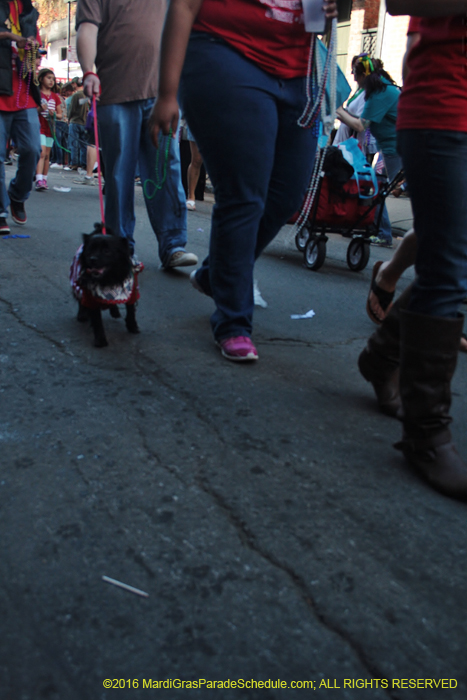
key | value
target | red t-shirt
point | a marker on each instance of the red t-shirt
(269, 32)
(435, 94)
(414, 25)
(20, 99)
(53, 101)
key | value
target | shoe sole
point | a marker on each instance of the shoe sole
(18, 221)
(234, 358)
(182, 264)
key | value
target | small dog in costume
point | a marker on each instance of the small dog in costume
(102, 276)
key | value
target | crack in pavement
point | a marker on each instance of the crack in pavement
(32, 327)
(144, 364)
(309, 343)
(247, 537)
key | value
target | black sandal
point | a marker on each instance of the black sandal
(385, 298)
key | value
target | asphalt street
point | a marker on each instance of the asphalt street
(262, 508)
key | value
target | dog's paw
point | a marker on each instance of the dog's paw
(82, 315)
(100, 342)
(132, 327)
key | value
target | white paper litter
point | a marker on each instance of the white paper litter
(309, 314)
(125, 586)
(62, 189)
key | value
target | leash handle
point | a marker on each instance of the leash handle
(98, 158)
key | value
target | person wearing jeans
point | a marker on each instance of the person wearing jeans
(77, 145)
(379, 115)
(18, 109)
(414, 351)
(260, 172)
(243, 88)
(77, 136)
(23, 127)
(125, 139)
(126, 54)
(392, 164)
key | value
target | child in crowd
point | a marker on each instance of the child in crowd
(51, 106)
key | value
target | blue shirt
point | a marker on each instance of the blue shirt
(381, 111)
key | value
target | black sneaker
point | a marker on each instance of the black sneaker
(4, 228)
(18, 213)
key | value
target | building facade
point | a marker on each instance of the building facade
(365, 26)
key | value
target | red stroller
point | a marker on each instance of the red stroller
(347, 205)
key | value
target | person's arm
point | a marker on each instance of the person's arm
(179, 21)
(21, 41)
(355, 123)
(426, 8)
(59, 110)
(86, 46)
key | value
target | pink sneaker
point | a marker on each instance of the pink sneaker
(238, 349)
(41, 184)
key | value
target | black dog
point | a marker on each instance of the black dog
(102, 276)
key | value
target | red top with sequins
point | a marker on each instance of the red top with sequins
(269, 32)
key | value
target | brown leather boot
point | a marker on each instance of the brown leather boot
(429, 350)
(379, 361)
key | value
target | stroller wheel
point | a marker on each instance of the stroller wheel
(301, 239)
(358, 254)
(315, 253)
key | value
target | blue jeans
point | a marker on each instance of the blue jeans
(61, 136)
(125, 141)
(259, 160)
(392, 164)
(23, 127)
(78, 143)
(436, 172)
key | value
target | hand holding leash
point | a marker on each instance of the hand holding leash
(91, 85)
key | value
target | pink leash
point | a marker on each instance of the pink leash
(99, 173)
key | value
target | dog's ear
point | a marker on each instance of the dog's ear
(98, 227)
(86, 237)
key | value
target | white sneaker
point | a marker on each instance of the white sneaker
(182, 259)
(259, 301)
(196, 285)
(85, 181)
(56, 165)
